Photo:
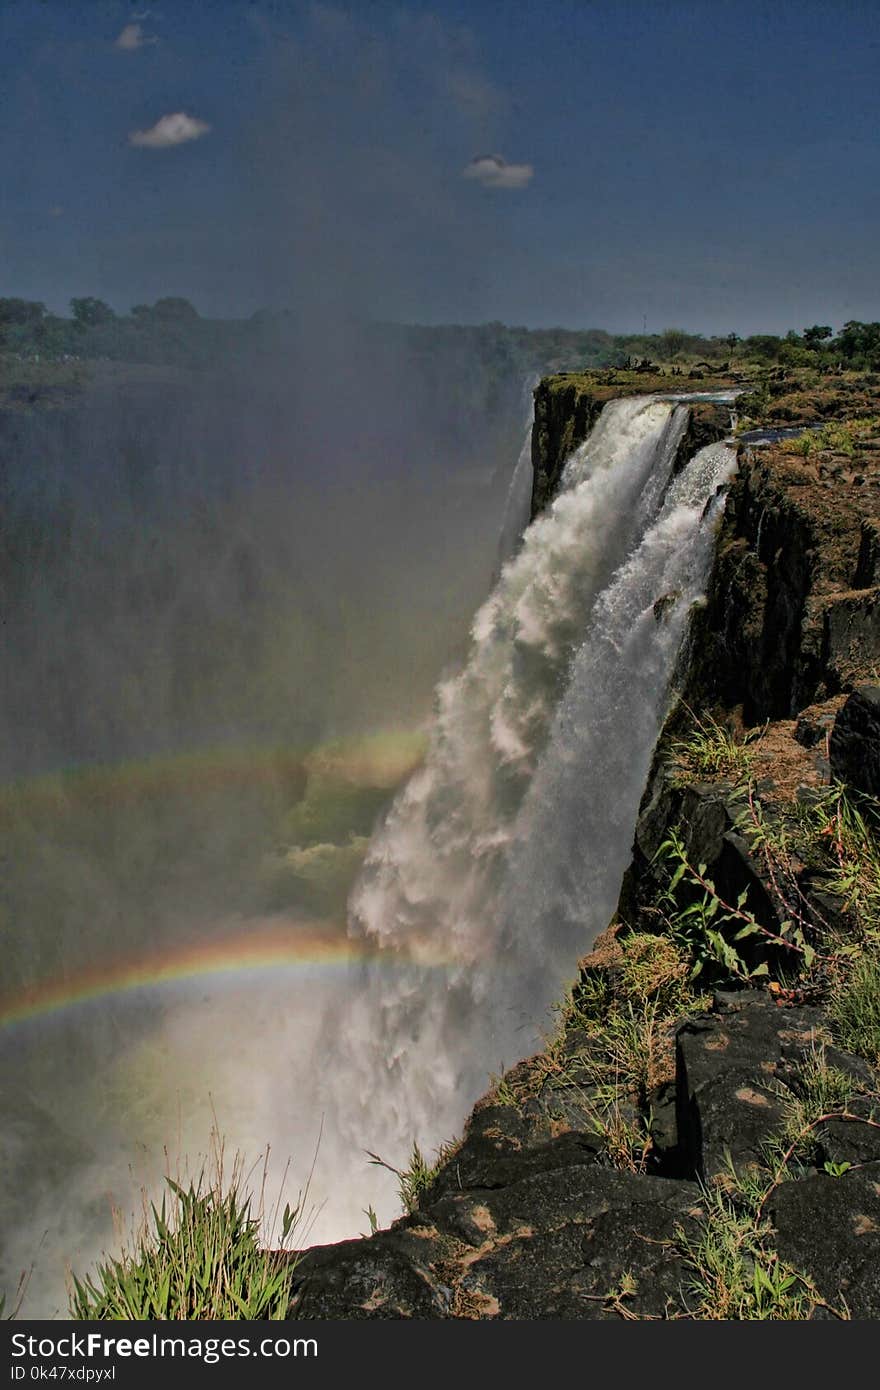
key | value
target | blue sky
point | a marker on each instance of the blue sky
(708, 165)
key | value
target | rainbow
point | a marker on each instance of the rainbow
(378, 759)
(381, 759)
(274, 947)
(260, 946)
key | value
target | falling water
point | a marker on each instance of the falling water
(518, 505)
(502, 857)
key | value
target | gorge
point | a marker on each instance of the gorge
(623, 612)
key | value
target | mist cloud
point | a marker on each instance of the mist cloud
(494, 172)
(175, 129)
(133, 37)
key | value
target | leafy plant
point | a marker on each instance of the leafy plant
(838, 436)
(835, 1170)
(735, 1275)
(842, 835)
(196, 1256)
(710, 928)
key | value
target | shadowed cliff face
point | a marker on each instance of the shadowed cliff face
(792, 616)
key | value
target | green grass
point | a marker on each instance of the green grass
(415, 1180)
(839, 437)
(197, 1256)
(855, 1008)
(735, 1275)
(815, 1091)
(711, 751)
(613, 1044)
(841, 836)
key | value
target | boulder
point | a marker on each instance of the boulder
(855, 741)
(830, 1229)
(730, 1066)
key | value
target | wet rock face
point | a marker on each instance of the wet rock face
(793, 611)
(855, 741)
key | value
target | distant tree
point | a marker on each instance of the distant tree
(20, 311)
(814, 337)
(89, 311)
(673, 340)
(174, 308)
(141, 311)
(859, 343)
(764, 346)
(54, 335)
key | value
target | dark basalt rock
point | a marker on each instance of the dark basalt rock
(730, 1068)
(392, 1274)
(855, 741)
(521, 1225)
(489, 1161)
(736, 1067)
(830, 1228)
(556, 1244)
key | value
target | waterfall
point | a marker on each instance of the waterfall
(518, 504)
(502, 857)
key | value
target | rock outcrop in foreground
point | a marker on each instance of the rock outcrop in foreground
(701, 1137)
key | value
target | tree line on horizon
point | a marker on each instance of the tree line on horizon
(171, 331)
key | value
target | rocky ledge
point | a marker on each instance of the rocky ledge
(701, 1136)
(530, 1219)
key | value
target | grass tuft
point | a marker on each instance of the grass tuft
(735, 1276)
(855, 1008)
(711, 751)
(415, 1180)
(197, 1257)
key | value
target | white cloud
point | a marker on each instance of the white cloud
(133, 37)
(174, 129)
(494, 172)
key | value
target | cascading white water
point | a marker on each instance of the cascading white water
(518, 505)
(502, 856)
